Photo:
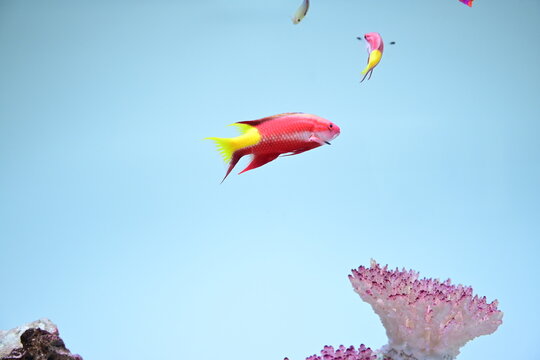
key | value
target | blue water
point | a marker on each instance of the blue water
(113, 222)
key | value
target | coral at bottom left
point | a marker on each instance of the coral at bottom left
(38, 340)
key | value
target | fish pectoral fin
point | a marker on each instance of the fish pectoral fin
(259, 160)
(315, 138)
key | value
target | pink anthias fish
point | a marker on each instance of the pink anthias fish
(267, 138)
(375, 47)
(467, 2)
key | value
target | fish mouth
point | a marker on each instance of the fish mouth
(328, 143)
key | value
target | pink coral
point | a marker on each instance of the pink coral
(424, 319)
(342, 353)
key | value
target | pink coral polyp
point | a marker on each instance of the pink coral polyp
(424, 318)
(342, 353)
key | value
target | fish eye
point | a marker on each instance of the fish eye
(331, 126)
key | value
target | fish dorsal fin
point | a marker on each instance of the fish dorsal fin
(260, 121)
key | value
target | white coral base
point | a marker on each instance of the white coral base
(405, 353)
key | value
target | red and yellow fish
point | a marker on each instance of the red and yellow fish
(375, 48)
(270, 137)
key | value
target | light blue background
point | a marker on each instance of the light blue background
(113, 222)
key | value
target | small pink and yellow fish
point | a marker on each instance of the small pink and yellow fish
(267, 138)
(375, 47)
(467, 2)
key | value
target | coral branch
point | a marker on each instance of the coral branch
(424, 319)
(342, 353)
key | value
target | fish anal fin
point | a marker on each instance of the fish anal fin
(259, 160)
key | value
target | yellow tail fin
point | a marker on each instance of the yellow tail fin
(225, 146)
(374, 59)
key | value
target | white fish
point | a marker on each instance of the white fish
(301, 12)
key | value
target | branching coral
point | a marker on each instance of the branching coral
(425, 319)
